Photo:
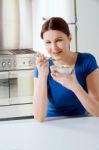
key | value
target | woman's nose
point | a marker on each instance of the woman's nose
(54, 46)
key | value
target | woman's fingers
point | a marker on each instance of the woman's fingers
(56, 75)
(41, 59)
(60, 77)
(43, 64)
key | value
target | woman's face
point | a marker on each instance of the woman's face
(56, 43)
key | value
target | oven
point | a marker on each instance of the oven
(16, 87)
(21, 86)
(16, 83)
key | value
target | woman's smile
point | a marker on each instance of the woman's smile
(56, 52)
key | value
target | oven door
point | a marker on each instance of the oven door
(4, 88)
(21, 86)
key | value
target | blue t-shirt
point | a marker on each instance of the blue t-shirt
(62, 101)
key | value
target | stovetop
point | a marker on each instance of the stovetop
(16, 51)
(16, 59)
(5, 52)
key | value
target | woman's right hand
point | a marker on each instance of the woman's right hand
(42, 65)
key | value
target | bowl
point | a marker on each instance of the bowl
(62, 69)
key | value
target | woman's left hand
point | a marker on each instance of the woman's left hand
(67, 80)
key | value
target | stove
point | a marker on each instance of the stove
(16, 82)
(16, 59)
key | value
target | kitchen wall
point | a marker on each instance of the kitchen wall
(88, 26)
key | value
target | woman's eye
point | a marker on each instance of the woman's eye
(48, 42)
(59, 40)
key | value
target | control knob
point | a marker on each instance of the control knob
(3, 64)
(9, 64)
(14, 63)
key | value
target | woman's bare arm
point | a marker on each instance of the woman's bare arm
(90, 100)
(40, 99)
(40, 89)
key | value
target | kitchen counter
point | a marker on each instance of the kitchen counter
(53, 134)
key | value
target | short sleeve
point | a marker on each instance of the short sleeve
(35, 74)
(90, 64)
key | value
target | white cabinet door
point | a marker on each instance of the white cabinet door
(88, 26)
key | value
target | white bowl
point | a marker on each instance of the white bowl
(62, 69)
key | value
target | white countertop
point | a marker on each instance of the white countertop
(54, 134)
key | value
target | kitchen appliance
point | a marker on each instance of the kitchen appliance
(16, 82)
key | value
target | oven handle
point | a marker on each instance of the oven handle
(4, 75)
(20, 73)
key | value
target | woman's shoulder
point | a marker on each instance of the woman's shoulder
(85, 57)
(87, 62)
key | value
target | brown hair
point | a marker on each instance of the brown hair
(55, 23)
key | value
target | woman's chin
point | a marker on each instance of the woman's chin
(56, 58)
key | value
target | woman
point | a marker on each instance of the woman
(58, 94)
